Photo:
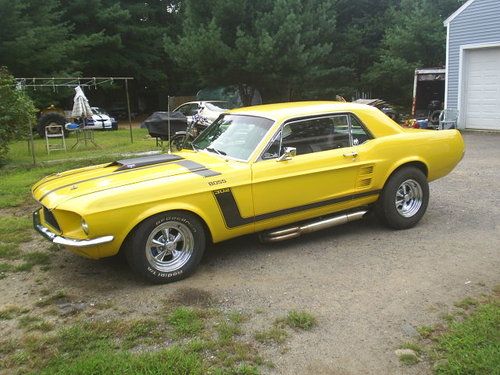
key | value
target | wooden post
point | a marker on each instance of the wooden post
(32, 144)
(128, 109)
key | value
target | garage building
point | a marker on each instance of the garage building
(473, 64)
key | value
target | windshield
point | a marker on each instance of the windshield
(235, 136)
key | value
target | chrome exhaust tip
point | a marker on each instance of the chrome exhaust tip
(282, 234)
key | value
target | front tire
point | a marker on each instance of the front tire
(166, 247)
(404, 199)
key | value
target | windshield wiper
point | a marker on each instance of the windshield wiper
(219, 152)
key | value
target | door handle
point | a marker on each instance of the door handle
(352, 154)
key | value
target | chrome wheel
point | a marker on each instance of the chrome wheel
(169, 246)
(409, 198)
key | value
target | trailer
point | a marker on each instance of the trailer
(428, 94)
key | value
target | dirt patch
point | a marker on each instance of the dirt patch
(188, 296)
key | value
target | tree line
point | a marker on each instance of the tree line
(288, 49)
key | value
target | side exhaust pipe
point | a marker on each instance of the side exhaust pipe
(296, 231)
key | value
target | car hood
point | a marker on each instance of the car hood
(60, 187)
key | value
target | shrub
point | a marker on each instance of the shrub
(17, 113)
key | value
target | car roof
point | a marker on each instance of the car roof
(282, 111)
(380, 124)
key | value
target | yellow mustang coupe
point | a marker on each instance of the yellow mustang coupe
(280, 170)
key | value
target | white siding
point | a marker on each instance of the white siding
(479, 23)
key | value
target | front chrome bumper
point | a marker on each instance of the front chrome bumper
(51, 236)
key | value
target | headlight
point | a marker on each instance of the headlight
(85, 226)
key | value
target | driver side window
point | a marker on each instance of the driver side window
(311, 135)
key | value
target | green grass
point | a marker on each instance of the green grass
(185, 321)
(408, 359)
(32, 259)
(109, 142)
(277, 333)
(425, 331)
(86, 337)
(473, 345)
(466, 303)
(141, 331)
(226, 331)
(245, 369)
(11, 311)
(448, 318)
(15, 230)
(34, 323)
(468, 344)
(237, 317)
(6, 267)
(300, 319)
(413, 346)
(8, 346)
(187, 341)
(272, 335)
(9, 251)
(172, 361)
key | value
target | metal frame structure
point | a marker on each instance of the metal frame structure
(55, 82)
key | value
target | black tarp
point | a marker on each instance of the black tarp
(157, 124)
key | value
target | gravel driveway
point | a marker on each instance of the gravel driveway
(368, 286)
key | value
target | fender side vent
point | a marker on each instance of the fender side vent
(368, 169)
(364, 182)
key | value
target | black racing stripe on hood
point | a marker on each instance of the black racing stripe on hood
(197, 168)
(144, 161)
(120, 170)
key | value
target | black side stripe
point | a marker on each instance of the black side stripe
(197, 168)
(232, 216)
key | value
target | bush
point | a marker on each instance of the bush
(17, 113)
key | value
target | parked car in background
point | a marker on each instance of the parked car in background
(53, 115)
(209, 110)
(280, 170)
(101, 120)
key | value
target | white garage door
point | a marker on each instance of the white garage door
(481, 104)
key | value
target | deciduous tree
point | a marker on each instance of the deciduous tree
(17, 113)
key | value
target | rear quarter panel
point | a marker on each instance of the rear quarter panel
(439, 151)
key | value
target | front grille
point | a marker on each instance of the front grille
(50, 219)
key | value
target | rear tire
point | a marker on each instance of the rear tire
(166, 247)
(404, 199)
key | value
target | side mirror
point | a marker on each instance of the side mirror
(288, 153)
